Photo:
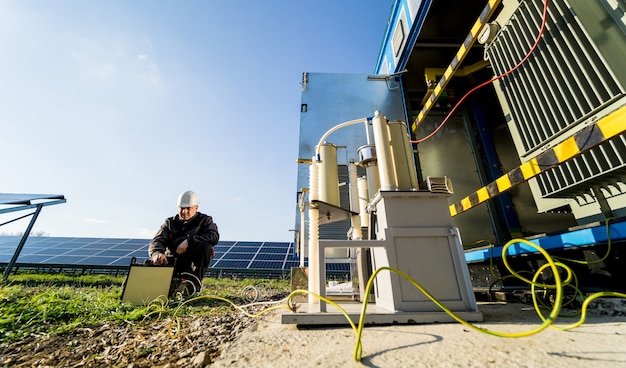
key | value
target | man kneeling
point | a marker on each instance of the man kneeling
(186, 240)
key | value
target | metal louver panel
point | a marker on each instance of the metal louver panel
(601, 166)
(563, 83)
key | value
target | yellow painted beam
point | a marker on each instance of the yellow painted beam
(458, 59)
(584, 140)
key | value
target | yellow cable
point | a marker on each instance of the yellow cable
(547, 322)
(583, 312)
(358, 329)
(608, 248)
(555, 311)
(548, 258)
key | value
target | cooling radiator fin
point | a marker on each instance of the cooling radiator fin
(562, 84)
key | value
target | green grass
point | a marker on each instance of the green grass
(49, 304)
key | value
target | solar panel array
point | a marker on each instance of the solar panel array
(117, 253)
(74, 251)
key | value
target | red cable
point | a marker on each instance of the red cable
(532, 49)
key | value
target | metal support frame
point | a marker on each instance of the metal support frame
(22, 242)
(414, 235)
(23, 202)
(504, 206)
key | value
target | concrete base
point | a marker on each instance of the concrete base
(308, 314)
(599, 343)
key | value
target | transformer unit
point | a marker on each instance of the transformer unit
(575, 76)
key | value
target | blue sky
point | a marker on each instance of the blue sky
(122, 105)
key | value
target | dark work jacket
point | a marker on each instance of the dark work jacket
(198, 230)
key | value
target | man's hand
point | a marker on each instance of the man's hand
(182, 247)
(159, 259)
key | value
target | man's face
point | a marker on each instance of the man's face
(186, 213)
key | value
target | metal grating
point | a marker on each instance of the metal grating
(563, 83)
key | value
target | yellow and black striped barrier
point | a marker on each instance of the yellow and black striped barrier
(589, 137)
(456, 61)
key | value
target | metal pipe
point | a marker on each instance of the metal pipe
(331, 130)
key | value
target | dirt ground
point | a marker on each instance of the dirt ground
(199, 343)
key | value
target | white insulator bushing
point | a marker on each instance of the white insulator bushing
(313, 233)
(373, 179)
(404, 165)
(384, 156)
(313, 180)
(302, 241)
(364, 200)
(314, 261)
(328, 174)
(354, 201)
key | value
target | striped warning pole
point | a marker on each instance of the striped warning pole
(589, 137)
(456, 61)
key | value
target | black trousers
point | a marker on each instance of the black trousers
(194, 261)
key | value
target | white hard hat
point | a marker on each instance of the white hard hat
(188, 199)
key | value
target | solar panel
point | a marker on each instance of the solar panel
(89, 261)
(118, 262)
(104, 261)
(274, 244)
(139, 254)
(84, 252)
(69, 260)
(226, 243)
(122, 253)
(118, 252)
(242, 249)
(29, 258)
(247, 243)
(290, 264)
(272, 250)
(100, 246)
(233, 255)
(136, 241)
(270, 257)
(38, 253)
(130, 247)
(337, 266)
(232, 264)
(266, 265)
